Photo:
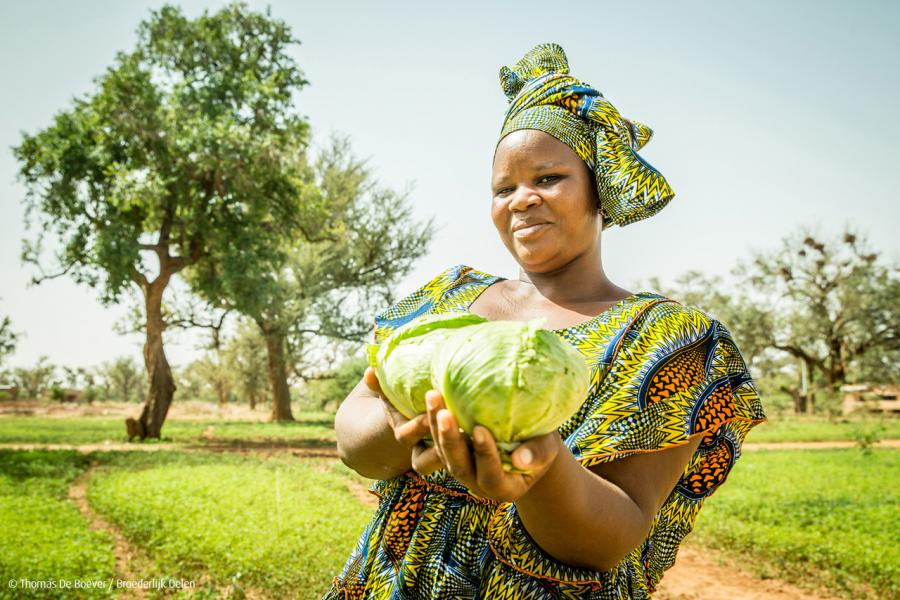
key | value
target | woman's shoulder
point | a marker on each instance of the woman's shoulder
(667, 314)
(450, 289)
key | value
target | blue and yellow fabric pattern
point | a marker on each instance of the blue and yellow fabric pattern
(662, 372)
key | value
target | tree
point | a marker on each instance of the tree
(35, 382)
(187, 149)
(123, 379)
(831, 304)
(8, 339)
(245, 357)
(359, 239)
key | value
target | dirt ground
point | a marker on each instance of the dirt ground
(698, 573)
(183, 410)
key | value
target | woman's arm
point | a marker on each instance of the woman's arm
(375, 440)
(592, 518)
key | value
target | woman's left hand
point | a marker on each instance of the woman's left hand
(480, 468)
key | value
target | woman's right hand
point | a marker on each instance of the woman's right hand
(409, 432)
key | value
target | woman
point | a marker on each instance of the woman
(612, 493)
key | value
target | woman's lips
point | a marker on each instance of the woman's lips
(531, 231)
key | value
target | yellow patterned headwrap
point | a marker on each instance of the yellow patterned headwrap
(542, 95)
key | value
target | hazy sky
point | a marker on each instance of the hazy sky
(767, 116)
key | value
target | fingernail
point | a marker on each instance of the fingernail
(478, 436)
(525, 456)
(430, 402)
(444, 423)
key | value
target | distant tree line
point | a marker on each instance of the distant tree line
(811, 316)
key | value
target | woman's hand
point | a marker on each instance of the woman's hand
(480, 468)
(408, 432)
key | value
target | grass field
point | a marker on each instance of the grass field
(43, 537)
(826, 515)
(285, 526)
(816, 429)
(317, 428)
(281, 526)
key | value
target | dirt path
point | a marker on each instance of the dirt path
(128, 560)
(263, 449)
(816, 445)
(701, 574)
(132, 565)
(698, 573)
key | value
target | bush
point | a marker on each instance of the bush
(327, 394)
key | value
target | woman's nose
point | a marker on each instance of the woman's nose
(524, 198)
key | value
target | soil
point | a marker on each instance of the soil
(698, 573)
(127, 557)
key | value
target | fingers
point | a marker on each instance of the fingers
(537, 454)
(488, 466)
(425, 460)
(433, 403)
(450, 440)
(409, 433)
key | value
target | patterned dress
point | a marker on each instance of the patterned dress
(660, 373)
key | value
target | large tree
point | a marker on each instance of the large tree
(833, 303)
(358, 239)
(188, 148)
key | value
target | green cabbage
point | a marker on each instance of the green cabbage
(402, 362)
(514, 378)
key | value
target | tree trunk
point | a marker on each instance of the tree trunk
(221, 393)
(162, 385)
(253, 400)
(281, 395)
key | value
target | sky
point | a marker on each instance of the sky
(768, 116)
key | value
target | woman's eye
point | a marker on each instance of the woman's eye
(503, 192)
(548, 178)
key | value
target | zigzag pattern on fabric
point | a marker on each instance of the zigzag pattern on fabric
(661, 373)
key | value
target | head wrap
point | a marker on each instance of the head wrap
(542, 95)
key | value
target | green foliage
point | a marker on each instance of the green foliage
(245, 355)
(280, 525)
(833, 304)
(825, 515)
(57, 392)
(33, 383)
(359, 239)
(327, 393)
(42, 535)
(8, 339)
(190, 138)
(123, 380)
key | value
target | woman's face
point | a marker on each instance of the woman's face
(544, 204)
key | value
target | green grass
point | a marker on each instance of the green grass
(806, 429)
(283, 525)
(314, 428)
(43, 537)
(828, 515)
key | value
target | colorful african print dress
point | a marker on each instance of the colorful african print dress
(661, 372)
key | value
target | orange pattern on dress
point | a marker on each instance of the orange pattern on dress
(681, 371)
(711, 473)
(402, 520)
(718, 408)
